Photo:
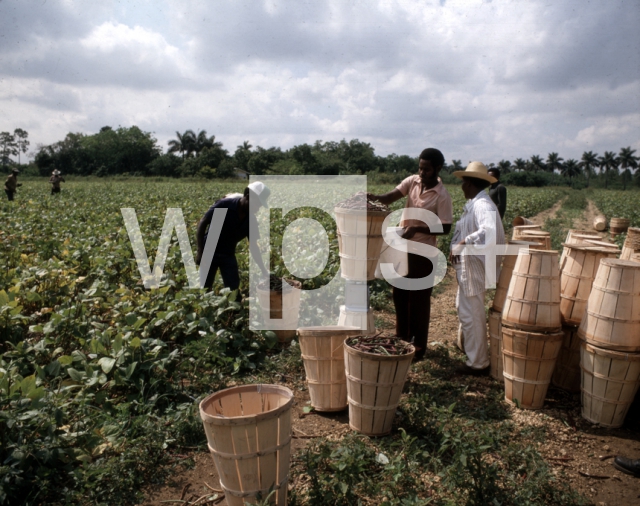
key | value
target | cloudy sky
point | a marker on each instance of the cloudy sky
(478, 79)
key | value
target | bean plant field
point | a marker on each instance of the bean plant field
(100, 378)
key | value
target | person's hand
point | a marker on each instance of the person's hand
(198, 257)
(454, 256)
(19, 184)
(371, 196)
(408, 232)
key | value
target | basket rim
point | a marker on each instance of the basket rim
(616, 262)
(346, 210)
(245, 419)
(597, 247)
(329, 330)
(540, 333)
(627, 356)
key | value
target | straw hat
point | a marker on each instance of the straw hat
(56, 172)
(261, 190)
(477, 170)
(15, 171)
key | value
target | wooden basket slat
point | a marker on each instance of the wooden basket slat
(609, 383)
(374, 386)
(612, 315)
(528, 363)
(251, 450)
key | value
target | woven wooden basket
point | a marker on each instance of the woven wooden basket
(248, 431)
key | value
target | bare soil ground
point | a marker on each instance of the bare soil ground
(580, 452)
(585, 222)
(548, 214)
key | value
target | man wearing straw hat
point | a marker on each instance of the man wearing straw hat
(55, 180)
(424, 191)
(480, 220)
(241, 210)
(11, 184)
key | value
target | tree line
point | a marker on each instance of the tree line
(132, 151)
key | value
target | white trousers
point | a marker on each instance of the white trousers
(473, 324)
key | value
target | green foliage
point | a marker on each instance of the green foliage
(165, 165)
(106, 153)
(617, 204)
(100, 378)
(443, 454)
(533, 178)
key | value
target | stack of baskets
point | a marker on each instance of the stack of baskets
(531, 328)
(360, 242)
(610, 351)
(495, 313)
(578, 270)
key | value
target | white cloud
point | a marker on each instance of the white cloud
(489, 80)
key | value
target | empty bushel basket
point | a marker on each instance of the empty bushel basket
(529, 359)
(612, 317)
(567, 372)
(281, 308)
(359, 241)
(533, 298)
(576, 278)
(248, 430)
(610, 380)
(323, 358)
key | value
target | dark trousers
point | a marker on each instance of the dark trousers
(55, 190)
(413, 308)
(228, 266)
(9, 194)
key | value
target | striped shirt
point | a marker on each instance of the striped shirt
(476, 223)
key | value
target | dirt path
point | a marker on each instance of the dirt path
(548, 214)
(573, 445)
(585, 222)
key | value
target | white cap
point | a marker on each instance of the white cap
(261, 190)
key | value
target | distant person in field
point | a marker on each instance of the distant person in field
(498, 192)
(241, 210)
(479, 220)
(55, 180)
(424, 191)
(11, 184)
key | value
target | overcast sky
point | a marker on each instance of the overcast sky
(484, 80)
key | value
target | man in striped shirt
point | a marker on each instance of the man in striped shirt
(480, 225)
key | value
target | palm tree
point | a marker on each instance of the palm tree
(536, 164)
(203, 142)
(455, 166)
(554, 162)
(243, 155)
(571, 168)
(626, 178)
(627, 158)
(184, 144)
(504, 166)
(607, 162)
(520, 164)
(588, 162)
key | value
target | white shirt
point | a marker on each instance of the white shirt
(480, 219)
